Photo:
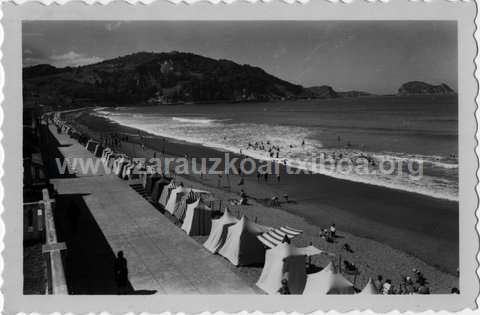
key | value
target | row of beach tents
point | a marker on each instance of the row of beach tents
(241, 241)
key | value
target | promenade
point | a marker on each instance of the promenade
(98, 215)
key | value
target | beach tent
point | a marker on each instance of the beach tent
(242, 246)
(274, 237)
(369, 288)
(198, 218)
(98, 150)
(190, 197)
(219, 230)
(158, 188)
(107, 156)
(327, 281)
(105, 152)
(175, 197)
(151, 180)
(121, 166)
(285, 261)
(125, 170)
(111, 160)
(91, 145)
(116, 164)
(167, 190)
(132, 171)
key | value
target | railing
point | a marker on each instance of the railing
(57, 283)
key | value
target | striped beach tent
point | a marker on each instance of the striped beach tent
(166, 193)
(192, 196)
(198, 218)
(158, 188)
(274, 237)
(175, 197)
(218, 231)
(241, 246)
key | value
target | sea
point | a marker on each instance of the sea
(410, 142)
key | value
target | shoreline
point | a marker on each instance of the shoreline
(328, 154)
(418, 225)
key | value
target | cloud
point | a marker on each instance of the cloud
(27, 52)
(112, 26)
(73, 59)
(31, 61)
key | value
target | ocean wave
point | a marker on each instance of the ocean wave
(197, 120)
(434, 160)
(235, 137)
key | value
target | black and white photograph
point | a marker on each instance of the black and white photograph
(311, 158)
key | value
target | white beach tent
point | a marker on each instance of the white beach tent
(242, 246)
(369, 288)
(285, 261)
(175, 197)
(117, 165)
(198, 218)
(327, 281)
(219, 230)
(165, 195)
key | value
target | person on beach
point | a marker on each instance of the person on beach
(121, 272)
(387, 287)
(243, 197)
(333, 230)
(419, 278)
(274, 202)
(284, 290)
(379, 283)
(409, 288)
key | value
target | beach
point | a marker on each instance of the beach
(390, 231)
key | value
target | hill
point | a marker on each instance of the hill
(323, 91)
(418, 87)
(162, 78)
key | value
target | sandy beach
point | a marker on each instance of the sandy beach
(390, 231)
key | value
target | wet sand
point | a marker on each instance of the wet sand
(415, 224)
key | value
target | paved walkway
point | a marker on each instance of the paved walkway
(161, 257)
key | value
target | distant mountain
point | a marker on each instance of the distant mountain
(162, 78)
(323, 91)
(417, 87)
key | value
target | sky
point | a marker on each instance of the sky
(373, 56)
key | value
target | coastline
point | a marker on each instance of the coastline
(417, 225)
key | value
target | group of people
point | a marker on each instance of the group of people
(415, 284)
(329, 234)
(264, 175)
(272, 150)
